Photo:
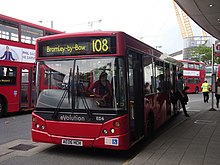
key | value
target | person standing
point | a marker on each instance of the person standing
(217, 93)
(205, 91)
(147, 88)
(179, 93)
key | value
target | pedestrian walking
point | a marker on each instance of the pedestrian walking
(180, 93)
(217, 92)
(205, 91)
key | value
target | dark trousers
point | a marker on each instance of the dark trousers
(206, 96)
(183, 106)
(179, 97)
(217, 100)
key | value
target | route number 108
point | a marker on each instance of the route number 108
(100, 45)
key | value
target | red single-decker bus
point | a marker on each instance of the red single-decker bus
(100, 89)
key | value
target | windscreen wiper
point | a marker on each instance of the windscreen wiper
(82, 96)
(79, 87)
(69, 85)
(66, 91)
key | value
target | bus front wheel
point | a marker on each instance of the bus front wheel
(197, 90)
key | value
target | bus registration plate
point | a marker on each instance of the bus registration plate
(72, 142)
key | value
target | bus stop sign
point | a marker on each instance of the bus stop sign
(217, 49)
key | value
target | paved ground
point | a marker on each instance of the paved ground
(194, 141)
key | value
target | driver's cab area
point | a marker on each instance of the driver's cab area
(94, 84)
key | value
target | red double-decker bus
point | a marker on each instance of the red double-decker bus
(100, 89)
(194, 75)
(17, 61)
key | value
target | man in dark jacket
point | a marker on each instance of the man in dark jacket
(180, 93)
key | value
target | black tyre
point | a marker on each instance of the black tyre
(197, 90)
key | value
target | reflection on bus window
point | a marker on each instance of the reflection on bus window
(160, 76)
(7, 75)
(9, 71)
(29, 34)
(25, 74)
(61, 76)
(148, 75)
(185, 65)
(196, 66)
(191, 65)
(9, 30)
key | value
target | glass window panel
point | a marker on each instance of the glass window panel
(160, 84)
(148, 75)
(86, 88)
(29, 34)
(9, 30)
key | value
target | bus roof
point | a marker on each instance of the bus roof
(7, 18)
(80, 34)
(171, 60)
(191, 61)
(127, 38)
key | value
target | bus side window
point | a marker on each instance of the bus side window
(167, 76)
(148, 74)
(147, 88)
(159, 76)
(7, 72)
(10, 72)
(1, 71)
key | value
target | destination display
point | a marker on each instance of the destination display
(78, 46)
(7, 80)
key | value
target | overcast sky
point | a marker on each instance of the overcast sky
(152, 21)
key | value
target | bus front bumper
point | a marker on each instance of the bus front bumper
(119, 142)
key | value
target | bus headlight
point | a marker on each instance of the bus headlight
(37, 125)
(112, 130)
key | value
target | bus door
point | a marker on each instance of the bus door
(26, 87)
(136, 96)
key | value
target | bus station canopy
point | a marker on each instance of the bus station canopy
(206, 13)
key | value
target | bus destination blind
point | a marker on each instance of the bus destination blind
(78, 46)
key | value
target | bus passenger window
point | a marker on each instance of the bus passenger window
(1, 71)
(8, 75)
(10, 72)
(159, 76)
(148, 75)
(160, 83)
(9, 30)
(29, 34)
(167, 76)
(25, 74)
